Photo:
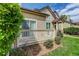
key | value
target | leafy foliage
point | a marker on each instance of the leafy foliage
(58, 37)
(59, 33)
(31, 50)
(48, 44)
(10, 21)
(58, 40)
(63, 18)
(71, 31)
(18, 52)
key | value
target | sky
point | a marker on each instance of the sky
(62, 8)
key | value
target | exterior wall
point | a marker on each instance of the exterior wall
(31, 16)
(40, 34)
(66, 25)
(52, 31)
(75, 26)
(50, 18)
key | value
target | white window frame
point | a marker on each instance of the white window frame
(46, 27)
(48, 32)
(29, 19)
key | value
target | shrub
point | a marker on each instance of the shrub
(58, 40)
(71, 31)
(30, 50)
(58, 37)
(10, 21)
(48, 44)
(18, 52)
(59, 33)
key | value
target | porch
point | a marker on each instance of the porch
(30, 37)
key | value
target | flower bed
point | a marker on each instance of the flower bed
(26, 50)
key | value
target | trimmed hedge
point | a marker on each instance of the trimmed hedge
(71, 31)
(10, 21)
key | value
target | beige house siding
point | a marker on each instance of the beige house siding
(46, 11)
(50, 18)
(41, 34)
(41, 25)
(77, 26)
(66, 25)
(32, 16)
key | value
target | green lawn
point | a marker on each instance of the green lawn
(70, 47)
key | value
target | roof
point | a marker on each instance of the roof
(39, 13)
(34, 12)
(53, 12)
(56, 21)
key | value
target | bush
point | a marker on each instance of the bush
(58, 40)
(18, 52)
(48, 44)
(59, 33)
(30, 50)
(71, 31)
(10, 21)
(58, 37)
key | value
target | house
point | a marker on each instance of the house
(38, 26)
(67, 24)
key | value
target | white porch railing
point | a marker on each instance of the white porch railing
(36, 36)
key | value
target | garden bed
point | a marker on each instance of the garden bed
(33, 50)
(26, 50)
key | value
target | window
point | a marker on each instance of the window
(25, 24)
(48, 25)
(25, 33)
(32, 25)
(28, 25)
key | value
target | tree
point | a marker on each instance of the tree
(63, 18)
(10, 21)
(70, 22)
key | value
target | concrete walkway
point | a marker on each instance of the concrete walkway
(45, 51)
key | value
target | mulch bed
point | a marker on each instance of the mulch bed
(31, 50)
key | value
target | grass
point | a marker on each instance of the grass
(70, 47)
